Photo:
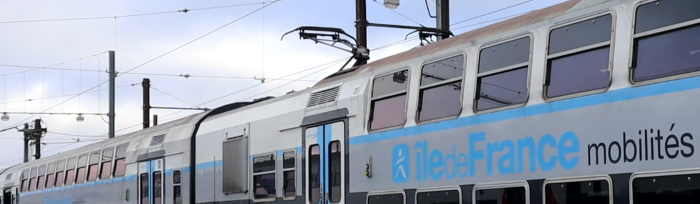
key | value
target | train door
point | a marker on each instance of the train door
(325, 163)
(150, 178)
(7, 196)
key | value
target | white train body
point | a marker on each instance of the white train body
(584, 101)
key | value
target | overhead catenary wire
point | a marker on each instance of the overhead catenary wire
(331, 64)
(60, 96)
(404, 16)
(176, 98)
(149, 61)
(135, 15)
(150, 74)
(492, 12)
(56, 64)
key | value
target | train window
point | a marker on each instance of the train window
(120, 161)
(177, 194)
(661, 47)
(177, 190)
(666, 189)
(579, 57)
(70, 172)
(438, 197)
(32, 180)
(41, 181)
(8, 177)
(388, 103)
(106, 166)
(157, 187)
(176, 177)
(94, 166)
(597, 191)
(314, 174)
(81, 171)
(25, 178)
(289, 174)
(503, 72)
(60, 168)
(512, 195)
(144, 188)
(441, 89)
(395, 198)
(264, 176)
(335, 151)
(50, 176)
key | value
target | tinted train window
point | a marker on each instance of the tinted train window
(41, 181)
(32, 180)
(441, 89)
(334, 166)
(106, 166)
(579, 57)
(503, 72)
(94, 166)
(388, 103)
(264, 176)
(25, 180)
(177, 190)
(60, 175)
(660, 52)
(680, 189)
(144, 188)
(120, 161)
(50, 177)
(314, 174)
(514, 195)
(580, 192)
(82, 163)
(289, 174)
(386, 199)
(157, 187)
(438, 197)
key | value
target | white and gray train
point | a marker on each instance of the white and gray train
(587, 101)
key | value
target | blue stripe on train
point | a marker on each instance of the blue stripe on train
(539, 109)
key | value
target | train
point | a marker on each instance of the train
(585, 101)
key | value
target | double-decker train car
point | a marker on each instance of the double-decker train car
(587, 101)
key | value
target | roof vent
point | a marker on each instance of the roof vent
(323, 97)
(157, 140)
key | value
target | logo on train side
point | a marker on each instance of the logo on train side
(401, 165)
(478, 156)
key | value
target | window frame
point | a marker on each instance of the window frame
(579, 50)
(115, 159)
(391, 192)
(24, 179)
(177, 184)
(285, 170)
(62, 170)
(101, 166)
(253, 174)
(648, 174)
(634, 36)
(435, 189)
(91, 163)
(50, 171)
(580, 179)
(41, 176)
(372, 99)
(422, 87)
(33, 171)
(499, 185)
(528, 66)
(85, 167)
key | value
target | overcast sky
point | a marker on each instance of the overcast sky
(247, 48)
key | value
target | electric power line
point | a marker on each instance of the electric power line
(37, 68)
(492, 12)
(50, 97)
(404, 16)
(141, 65)
(133, 15)
(200, 37)
(176, 98)
(147, 74)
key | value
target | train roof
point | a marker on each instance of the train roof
(524, 20)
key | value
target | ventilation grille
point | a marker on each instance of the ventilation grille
(322, 97)
(157, 140)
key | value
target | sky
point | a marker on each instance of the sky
(46, 62)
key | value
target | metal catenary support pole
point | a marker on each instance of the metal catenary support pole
(112, 76)
(361, 22)
(146, 84)
(443, 17)
(26, 142)
(38, 131)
